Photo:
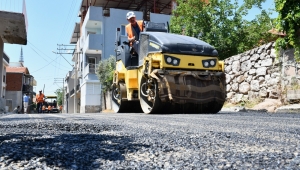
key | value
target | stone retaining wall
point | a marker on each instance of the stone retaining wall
(253, 74)
(257, 74)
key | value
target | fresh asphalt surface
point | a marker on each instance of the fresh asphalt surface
(227, 140)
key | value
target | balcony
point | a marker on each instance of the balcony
(72, 92)
(27, 88)
(90, 69)
(90, 72)
(93, 18)
(93, 44)
(79, 74)
(77, 87)
(5, 58)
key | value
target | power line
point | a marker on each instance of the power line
(66, 60)
(45, 58)
(72, 20)
(43, 66)
(67, 21)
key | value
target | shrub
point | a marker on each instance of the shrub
(105, 72)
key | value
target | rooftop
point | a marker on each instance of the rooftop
(17, 70)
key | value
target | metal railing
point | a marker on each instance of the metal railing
(27, 88)
(5, 58)
(72, 92)
(90, 69)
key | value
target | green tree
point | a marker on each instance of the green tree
(105, 72)
(221, 24)
(289, 22)
(59, 93)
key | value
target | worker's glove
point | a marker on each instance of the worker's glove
(131, 39)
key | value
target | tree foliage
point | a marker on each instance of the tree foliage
(105, 72)
(221, 23)
(59, 93)
(289, 22)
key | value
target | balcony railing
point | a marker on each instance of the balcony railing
(79, 74)
(90, 69)
(93, 43)
(72, 92)
(27, 88)
(5, 58)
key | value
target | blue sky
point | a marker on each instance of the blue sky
(51, 22)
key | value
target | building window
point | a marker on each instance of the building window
(4, 78)
(123, 32)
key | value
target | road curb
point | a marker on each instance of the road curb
(294, 108)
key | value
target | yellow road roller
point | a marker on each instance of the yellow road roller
(167, 73)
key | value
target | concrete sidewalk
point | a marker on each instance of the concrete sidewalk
(292, 108)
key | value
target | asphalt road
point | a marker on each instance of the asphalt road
(227, 140)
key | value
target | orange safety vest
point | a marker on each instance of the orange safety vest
(40, 98)
(129, 28)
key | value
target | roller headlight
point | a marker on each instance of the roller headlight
(175, 62)
(172, 60)
(209, 63)
(169, 60)
(206, 64)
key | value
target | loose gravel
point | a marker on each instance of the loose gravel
(137, 141)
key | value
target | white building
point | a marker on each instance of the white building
(10, 21)
(95, 38)
(5, 64)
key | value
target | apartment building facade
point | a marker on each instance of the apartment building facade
(18, 83)
(94, 39)
(5, 64)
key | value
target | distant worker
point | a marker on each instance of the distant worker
(44, 109)
(26, 99)
(39, 101)
(133, 29)
(49, 109)
(60, 108)
(16, 109)
(54, 104)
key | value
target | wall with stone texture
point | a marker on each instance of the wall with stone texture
(290, 69)
(253, 74)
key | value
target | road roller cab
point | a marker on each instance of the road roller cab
(167, 73)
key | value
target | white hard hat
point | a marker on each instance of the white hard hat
(130, 15)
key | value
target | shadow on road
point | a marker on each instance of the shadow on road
(66, 150)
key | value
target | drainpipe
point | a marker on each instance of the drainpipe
(102, 57)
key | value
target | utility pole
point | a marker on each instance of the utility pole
(75, 84)
(64, 49)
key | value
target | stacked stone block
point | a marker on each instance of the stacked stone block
(253, 74)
